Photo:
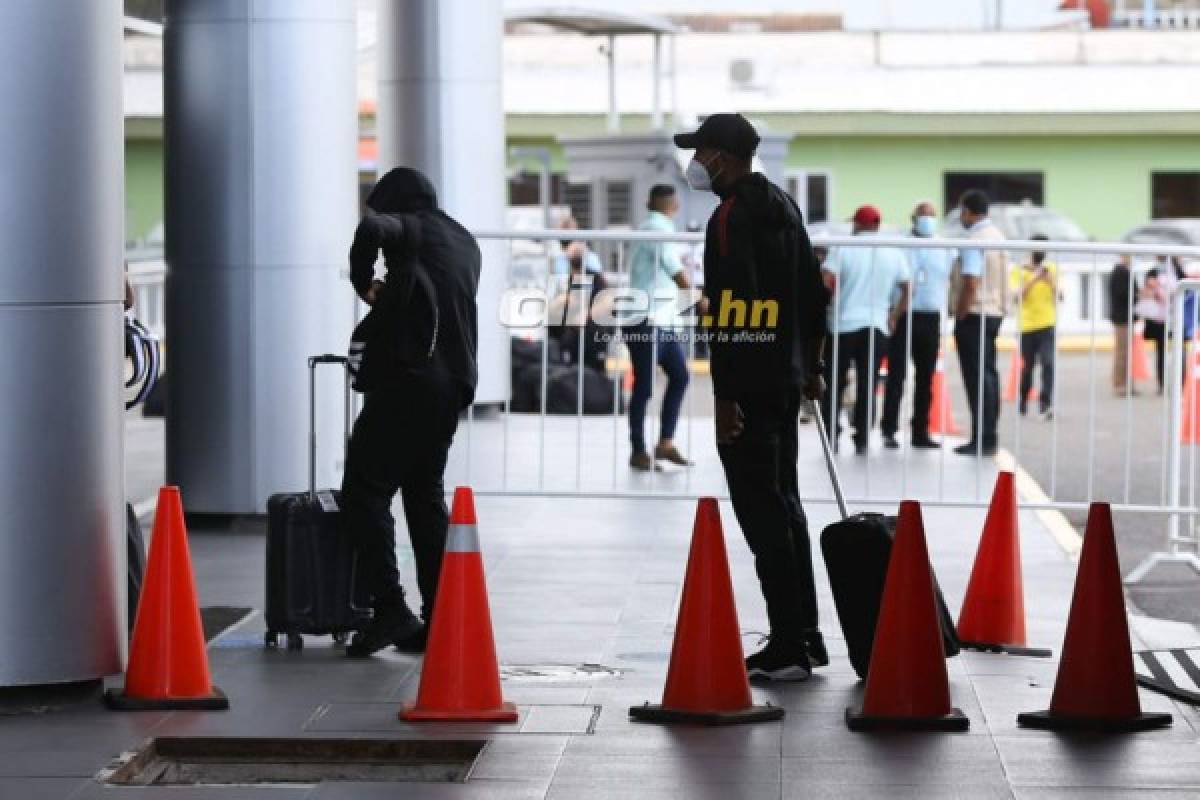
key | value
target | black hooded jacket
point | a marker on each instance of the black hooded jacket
(433, 265)
(757, 251)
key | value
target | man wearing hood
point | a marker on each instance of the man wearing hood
(416, 368)
(767, 328)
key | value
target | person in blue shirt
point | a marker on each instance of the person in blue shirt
(656, 269)
(863, 280)
(929, 274)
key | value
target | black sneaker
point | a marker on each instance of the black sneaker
(971, 449)
(413, 644)
(889, 441)
(390, 624)
(925, 443)
(779, 661)
(818, 656)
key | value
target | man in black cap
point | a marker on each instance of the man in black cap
(767, 329)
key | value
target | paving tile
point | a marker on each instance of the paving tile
(96, 791)
(1061, 793)
(660, 770)
(39, 788)
(473, 790)
(692, 791)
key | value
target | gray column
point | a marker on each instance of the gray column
(441, 110)
(260, 135)
(62, 562)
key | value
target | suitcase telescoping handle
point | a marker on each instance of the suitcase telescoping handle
(829, 463)
(313, 362)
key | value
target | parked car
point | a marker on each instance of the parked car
(1183, 231)
(1023, 221)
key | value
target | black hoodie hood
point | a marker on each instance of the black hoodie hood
(402, 190)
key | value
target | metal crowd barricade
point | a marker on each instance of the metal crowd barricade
(1084, 275)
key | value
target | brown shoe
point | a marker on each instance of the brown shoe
(670, 453)
(642, 462)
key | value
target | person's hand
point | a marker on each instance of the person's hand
(730, 421)
(814, 386)
(373, 293)
(702, 306)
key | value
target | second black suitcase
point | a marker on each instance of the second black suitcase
(311, 581)
(856, 551)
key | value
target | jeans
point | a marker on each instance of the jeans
(400, 443)
(975, 338)
(760, 468)
(926, 336)
(864, 349)
(644, 343)
(1037, 347)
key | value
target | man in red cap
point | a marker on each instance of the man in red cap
(864, 280)
(767, 325)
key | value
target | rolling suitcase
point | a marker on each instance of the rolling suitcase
(856, 551)
(311, 586)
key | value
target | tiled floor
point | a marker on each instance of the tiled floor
(597, 581)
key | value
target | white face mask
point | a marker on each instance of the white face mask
(697, 176)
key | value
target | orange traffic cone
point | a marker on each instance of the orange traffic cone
(706, 681)
(907, 684)
(460, 679)
(993, 612)
(941, 412)
(1189, 430)
(1012, 383)
(168, 665)
(1140, 366)
(1095, 688)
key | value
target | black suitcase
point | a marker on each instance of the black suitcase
(311, 586)
(856, 551)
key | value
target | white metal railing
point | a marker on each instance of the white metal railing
(892, 480)
(570, 448)
(147, 275)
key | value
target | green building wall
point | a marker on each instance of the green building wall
(1102, 182)
(143, 187)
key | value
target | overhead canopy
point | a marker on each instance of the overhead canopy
(592, 21)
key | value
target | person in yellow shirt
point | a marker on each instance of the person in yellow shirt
(1036, 286)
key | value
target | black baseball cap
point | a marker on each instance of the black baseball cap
(732, 133)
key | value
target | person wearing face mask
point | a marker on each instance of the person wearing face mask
(929, 268)
(979, 287)
(657, 270)
(767, 328)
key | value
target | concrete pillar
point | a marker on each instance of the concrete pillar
(441, 110)
(260, 136)
(62, 542)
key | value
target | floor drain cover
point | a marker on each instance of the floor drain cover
(173, 761)
(556, 672)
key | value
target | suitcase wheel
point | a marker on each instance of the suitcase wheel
(295, 641)
(340, 637)
(271, 639)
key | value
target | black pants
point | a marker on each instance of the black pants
(864, 349)
(1037, 347)
(760, 468)
(973, 338)
(926, 335)
(1156, 332)
(400, 443)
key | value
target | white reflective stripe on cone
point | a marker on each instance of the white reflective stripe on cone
(462, 539)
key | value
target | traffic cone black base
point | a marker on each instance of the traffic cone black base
(658, 713)
(1009, 649)
(117, 700)
(956, 720)
(1045, 721)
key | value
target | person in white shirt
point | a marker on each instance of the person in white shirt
(863, 281)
